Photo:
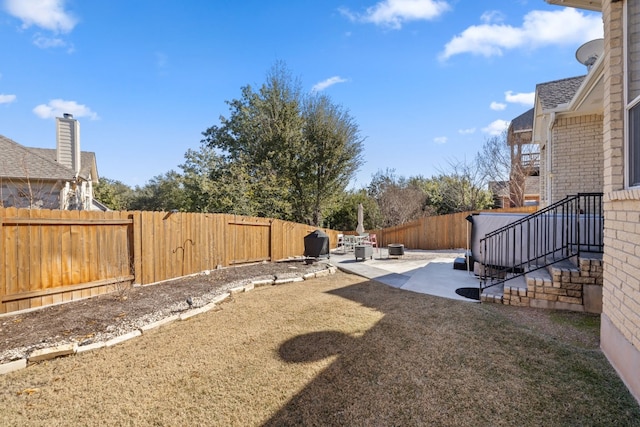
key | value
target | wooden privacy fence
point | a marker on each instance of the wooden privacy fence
(436, 232)
(47, 257)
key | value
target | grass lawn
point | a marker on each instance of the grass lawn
(337, 350)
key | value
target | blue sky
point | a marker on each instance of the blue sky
(428, 81)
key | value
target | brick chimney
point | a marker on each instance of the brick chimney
(68, 142)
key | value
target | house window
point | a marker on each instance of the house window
(633, 90)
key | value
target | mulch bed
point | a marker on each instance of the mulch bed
(107, 316)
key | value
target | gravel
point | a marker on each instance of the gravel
(105, 317)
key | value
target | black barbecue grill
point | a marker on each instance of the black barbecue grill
(316, 245)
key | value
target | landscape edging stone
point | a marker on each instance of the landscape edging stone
(73, 348)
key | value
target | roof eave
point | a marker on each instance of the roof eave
(595, 5)
(591, 84)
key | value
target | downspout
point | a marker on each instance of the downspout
(552, 121)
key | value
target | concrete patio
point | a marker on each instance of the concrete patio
(427, 272)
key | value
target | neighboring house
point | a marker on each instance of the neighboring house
(617, 72)
(503, 196)
(500, 192)
(40, 178)
(523, 187)
(524, 184)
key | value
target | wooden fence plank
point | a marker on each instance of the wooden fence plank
(65, 251)
(148, 260)
(23, 255)
(10, 267)
(35, 257)
(56, 258)
(160, 247)
(92, 261)
(3, 285)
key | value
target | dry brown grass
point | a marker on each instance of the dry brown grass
(337, 350)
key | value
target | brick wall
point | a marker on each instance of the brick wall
(613, 128)
(34, 193)
(577, 157)
(621, 295)
(633, 50)
(620, 333)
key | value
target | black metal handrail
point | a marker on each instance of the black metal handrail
(558, 232)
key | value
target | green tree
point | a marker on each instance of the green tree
(161, 193)
(212, 184)
(333, 150)
(296, 153)
(344, 215)
(113, 194)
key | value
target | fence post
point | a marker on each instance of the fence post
(135, 246)
(271, 245)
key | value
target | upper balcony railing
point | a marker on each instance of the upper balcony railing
(530, 160)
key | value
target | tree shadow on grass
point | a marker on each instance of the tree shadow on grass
(314, 346)
(433, 361)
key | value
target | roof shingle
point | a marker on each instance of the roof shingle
(558, 92)
(20, 162)
(523, 122)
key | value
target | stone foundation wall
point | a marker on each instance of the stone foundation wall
(563, 286)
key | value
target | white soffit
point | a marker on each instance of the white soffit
(590, 94)
(579, 4)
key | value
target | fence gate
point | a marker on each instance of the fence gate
(248, 240)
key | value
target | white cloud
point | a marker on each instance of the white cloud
(497, 106)
(57, 107)
(7, 99)
(496, 127)
(440, 140)
(393, 13)
(567, 26)
(45, 42)
(467, 131)
(526, 99)
(47, 14)
(492, 16)
(318, 87)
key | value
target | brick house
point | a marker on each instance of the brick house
(41, 178)
(620, 81)
(568, 128)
